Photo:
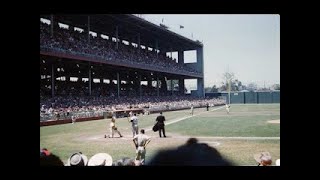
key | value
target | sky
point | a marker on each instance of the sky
(247, 45)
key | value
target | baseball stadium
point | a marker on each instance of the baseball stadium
(99, 72)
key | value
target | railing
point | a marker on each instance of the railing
(66, 115)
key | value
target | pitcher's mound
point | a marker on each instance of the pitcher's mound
(274, 121)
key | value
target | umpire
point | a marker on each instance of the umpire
(160, 121)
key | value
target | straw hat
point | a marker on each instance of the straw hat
(100, 159)
(77, 159)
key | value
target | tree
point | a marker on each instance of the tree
(276, 87)
(211, 89)
(207, 89)
(252, 87)
(235, 84)
(214, 88)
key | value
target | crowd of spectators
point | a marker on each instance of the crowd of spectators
(75, 42)
(72, 97)
(62, 107)
(80, 88)
(192, 153)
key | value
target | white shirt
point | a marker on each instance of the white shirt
(141, 139)
(134, 120)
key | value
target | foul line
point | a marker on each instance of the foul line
(184, 118)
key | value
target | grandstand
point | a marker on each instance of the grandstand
(112, 59)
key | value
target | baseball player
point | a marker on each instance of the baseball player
(134, 123)
(191, 109)
(113, 128)
(140, 141)
(227, 108)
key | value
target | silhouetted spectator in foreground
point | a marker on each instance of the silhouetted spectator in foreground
(49, 159)
(190, 154)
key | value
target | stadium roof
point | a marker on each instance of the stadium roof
(129, 26)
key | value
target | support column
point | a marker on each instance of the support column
(51, 30)
(181, 85)
(200, 85)
(139, 43)
(52, 80)
(117, 45)
(156, 47)
(89, 29)
(140, 89)
(90, 80)
(199, 65)
(118, 84)
(180, 57)
(149, 86)
(171, 86)
(158, 86)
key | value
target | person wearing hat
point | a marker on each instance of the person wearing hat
(100, 159)
(77, 159)
(264, 159)
(113, 128)
(140, 141)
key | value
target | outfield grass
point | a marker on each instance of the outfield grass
(243, 121)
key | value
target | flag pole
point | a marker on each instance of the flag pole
(229, 84)
(229, 90)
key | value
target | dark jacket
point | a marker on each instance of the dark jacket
(160, 119)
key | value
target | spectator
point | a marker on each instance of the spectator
(51, 160)
(125, 162)
(264, 159)
(190, 154)
(77, 159)
(100, 159)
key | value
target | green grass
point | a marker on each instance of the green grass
(241, 152)
(243, 121)
(256, 126)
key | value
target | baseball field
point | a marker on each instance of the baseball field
(248, 129)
